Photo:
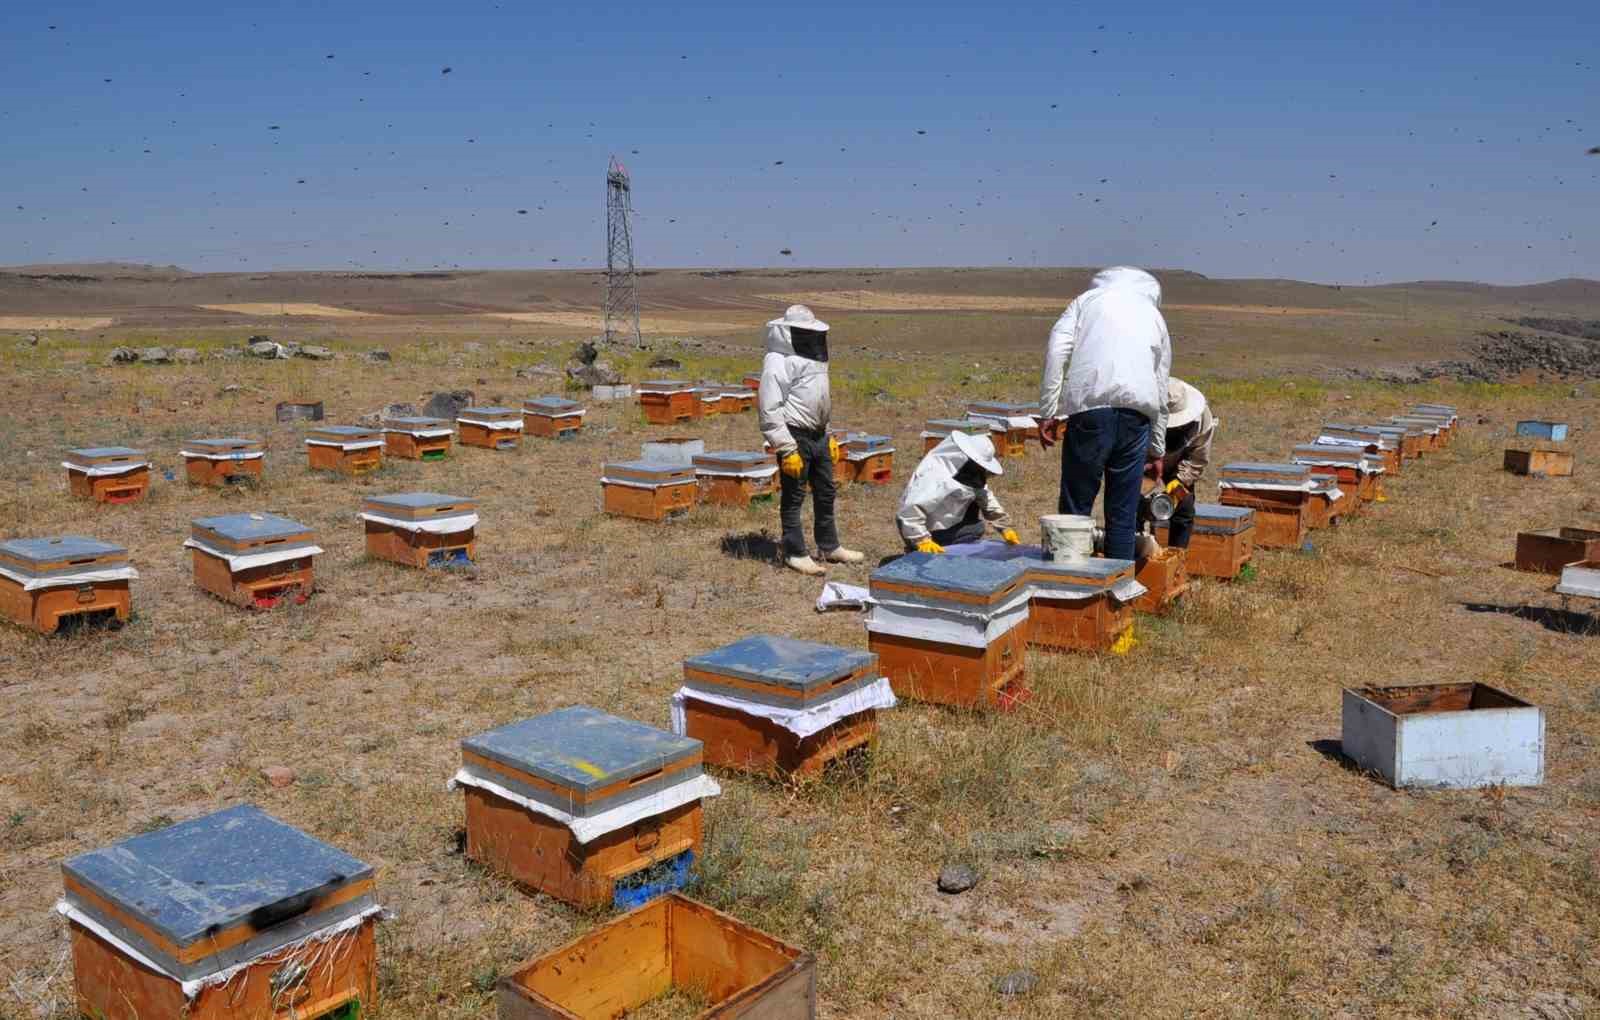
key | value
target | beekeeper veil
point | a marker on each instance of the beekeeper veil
(799, 333)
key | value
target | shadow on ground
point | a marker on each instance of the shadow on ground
(752, 545)
(1562, 621)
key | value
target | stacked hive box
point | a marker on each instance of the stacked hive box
(776, 705)
(253, 560)
(1082, 606)
(108, 474)
(1222, 542)
(1281, 496)
(347, 449)
(646, 489)
(47, 581)
(1431, 429)
(421, 529)
(949, 629)
(1384, 446)
(231, 915)
(1410, 440)
(217, 462)
(490, 428)
(1020, 420)
(735, 477)
(668, 401)
(1165, 577)
(1444, 414)
(938, 430)
(415, 438)
(1541, 460)
(552, 417)
(1359, 473)
(585, 807)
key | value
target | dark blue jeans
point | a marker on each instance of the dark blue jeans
(1109, 443)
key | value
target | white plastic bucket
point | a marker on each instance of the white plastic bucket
(1068, 538)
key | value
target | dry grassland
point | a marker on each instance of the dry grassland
(270, 308)
(1166, 834)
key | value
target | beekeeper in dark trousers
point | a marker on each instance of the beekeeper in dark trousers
(795, 407)
(948, 500)
(1104, 398)
(1190, 429)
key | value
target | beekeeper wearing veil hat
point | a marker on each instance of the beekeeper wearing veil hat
(795, 408)
(948, 500)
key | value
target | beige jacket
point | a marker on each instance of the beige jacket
(1187, 462)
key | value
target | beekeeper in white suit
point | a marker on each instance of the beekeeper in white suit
(948, 500)
(795, 408)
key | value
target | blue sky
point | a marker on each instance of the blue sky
(1351, 142)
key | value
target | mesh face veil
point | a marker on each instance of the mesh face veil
(811, 344)
(972, 475)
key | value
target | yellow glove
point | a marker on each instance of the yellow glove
(1011, 536)
(834, 453)
(1172, 485)
(791, 465)
(928, 545)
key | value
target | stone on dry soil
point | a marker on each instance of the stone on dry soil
(448, 404)
(265, 349)
(122, 356)
(1018, 982)
(186, 356)
(154, 356)
(600, 373)
(278, 776)
(315, 352)
(664, 362)
(537, 371)
(376, 355)
(957, 878)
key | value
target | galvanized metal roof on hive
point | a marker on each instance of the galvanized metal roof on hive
(551, 405)
(801, 667)
(416, 422)
(491, 412)
(191, 880)
(345, 431)
(1223, 519)
(582, 748)
(50, 550)
(417, 500)
(250, 527)
(737, 459)
(960, 574)
(224, 443)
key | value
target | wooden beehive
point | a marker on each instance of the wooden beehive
(667, 401)
(950, 629)
(735, 477)
(1443, 415)
(646, 489)
(1384, 445)
(219, 462)
(1278, 493)
(1444, 736)
(748, 704)
(752, 381)
(938, 430)
(1080, 606)
(1165, 578)
(708, 401)
(252, 559)
(672, 944)
(737, 399)
(1328, 502)
(417, 438)
(45, 582)
(1409, 440)
(584, 806)
(490, 428)
(346, 449)
(868, 458)
(1547, 550)
(108, 474)
(421, 529)
(552, 417)
(1222, 542)
(1018, 417)
(1541, 463)
(1357, 471)
(234, 914)
(1429, 427)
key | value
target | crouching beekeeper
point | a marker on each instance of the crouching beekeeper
(948, 500)
(795, 408)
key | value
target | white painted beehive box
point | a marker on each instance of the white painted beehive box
(1444, 736)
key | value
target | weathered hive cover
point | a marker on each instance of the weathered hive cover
(237, 532)
(733, 462)
(648, 473)
(865, 445)
(1330, 453)
(552, 406)
(1217, 519)
(420, 505)
(584, 761)
(414, 424)
(68, 554)
(934, 575)
(663, 386)
(1581, 579)
(1258, 473)
(230, 444)
(1000, 409)
(782, 671)
(1359, 433)
(101, 456)
(344, 434)
(489, 414)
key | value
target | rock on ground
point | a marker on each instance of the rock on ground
(448, 404)
(278, 776)
(957, 878)
(537, 371)
(376, 355)
(1018, 982)
(315, 352)
(122, 356)
(154, 356)
(186, 356)
(598, 373)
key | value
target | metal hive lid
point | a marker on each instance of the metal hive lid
(1000, 407)
(417, 422)
(782, 661)
(966, 575)
(49, 550)
(581, 748)
(743, 458)
(491, 412)
(190, 880)
(342, 430)
(98, 452)
(664, 384)
(652, 468)
(249, 527)
(1222, 512)
(1095, 567)
(1331, 451)
(1254, 468)
(551, 404)
(224, 442)
(867, 440)
(417, 500)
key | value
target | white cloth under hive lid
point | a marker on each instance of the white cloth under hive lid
(589, 829)
(245, 561)
(802, 722)
(104, 470)
(437, 526)
(103, 574)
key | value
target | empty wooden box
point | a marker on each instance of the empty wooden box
(1541, 463)
(490, 428)
(421, 529)
(1385, 445)
(552, 417)
(668, 401)
(1359, 472)
(417, 438)
(646, 489)
(108, 474)
(347, 449)
(234, 914)
(1547, 550)
(867, 458)
(1078, 606)
(735, 477)
(1452, 735)
(1281, 496)
(584, 806)
(45, 582)
(671, 945)
(1223, 540)
(252, 559)
(950, 629)
(777, 705)
(1165, 577)
(218, 462)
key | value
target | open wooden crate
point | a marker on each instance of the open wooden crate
(1547, 550)
(1541, 463)
(672, 943)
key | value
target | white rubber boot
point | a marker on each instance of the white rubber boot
(805, 565)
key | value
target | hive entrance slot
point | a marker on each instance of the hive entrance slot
(433, 455)
(121, 495)
(449, 558)
(647, 883)
(76, 621)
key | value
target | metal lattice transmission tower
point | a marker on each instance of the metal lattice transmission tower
(622, 288)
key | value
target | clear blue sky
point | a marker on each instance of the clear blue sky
(1347, 142)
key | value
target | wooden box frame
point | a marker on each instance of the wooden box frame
(875, 469)
(670, 942)
(1092, 623)
(255, 587)
(43, 609)
(1323, 511)
(1165, 577)
(1541, 463)
(1547, 550)
(951, 674)
(653, 504)
(345, 462)
(669, 407)
(200, 470)
(414, 548)
(735, 490)
(1282, 518)
(552, 426)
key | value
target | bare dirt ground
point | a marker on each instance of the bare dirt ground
(1170, 833)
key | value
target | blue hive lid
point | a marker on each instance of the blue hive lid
(96, 452)
(782, 661)
(249, 527)
(963, 574)
(193, 879)
(49, 550)
(581, 748)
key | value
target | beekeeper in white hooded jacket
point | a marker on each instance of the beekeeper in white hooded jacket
(1103, 396)
(948, 500)
(795, 406)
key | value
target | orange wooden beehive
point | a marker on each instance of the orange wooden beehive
(552, 417)
(234, 914)
(1280, 494)
(752, 381)
(1083, 606)
(251, 559)
(1540, 463)
(1358, 472)
(1021, 420)
(219, 462)
(1165, 578)
(1222, 542)
(1328, 502)
(108, 474)
(421, 529)
(1375, 442)
(709, 401)
(490, 428)
(345, 449)
(938, 430)
(735, 477)
(584, 806)
(775, 705)
(417, 438)
(667, 401)
(646, 489)
(736, 399)
(868, 458)
(45, 582)
(951, 629)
